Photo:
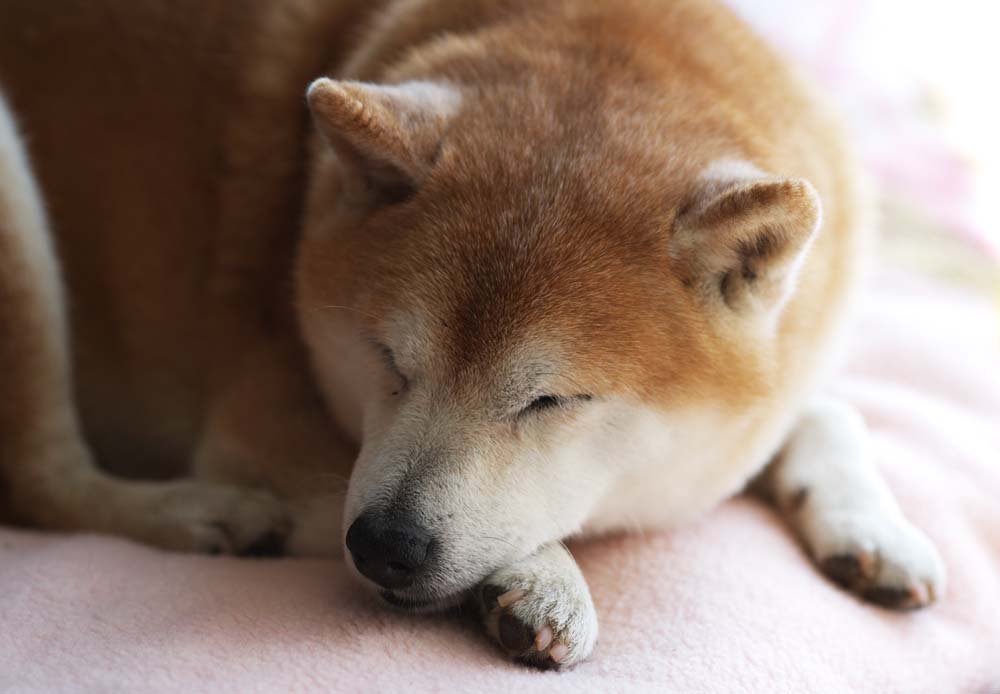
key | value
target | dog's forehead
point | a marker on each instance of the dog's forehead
(421, 335)
(512, 256)
(511, 313)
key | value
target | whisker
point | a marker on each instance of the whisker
(346, 308)
(328, 476)
(500, 539)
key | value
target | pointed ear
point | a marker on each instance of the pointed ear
(389, 135)
(742, 236)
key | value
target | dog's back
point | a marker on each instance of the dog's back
(168, 142)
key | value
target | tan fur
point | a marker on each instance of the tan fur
(631, 201)
(651, 130)
(175, 222)
(174, 198)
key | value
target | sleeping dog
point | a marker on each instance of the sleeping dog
(443, 282)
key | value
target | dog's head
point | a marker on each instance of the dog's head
(517, 299)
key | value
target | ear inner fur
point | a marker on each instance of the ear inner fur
(389, 134)
(743, 240)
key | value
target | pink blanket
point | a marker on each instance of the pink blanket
(729, 605)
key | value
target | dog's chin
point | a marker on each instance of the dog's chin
(422, 604)
(414, 599)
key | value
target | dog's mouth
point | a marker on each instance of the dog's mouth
(422, 604)
(405, 603)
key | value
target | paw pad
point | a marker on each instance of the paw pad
(536, 646)
(859, 573)
(514, 634)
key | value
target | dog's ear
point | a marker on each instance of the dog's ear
(388, 134)
(741, 237)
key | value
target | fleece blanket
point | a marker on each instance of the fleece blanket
(730, 604)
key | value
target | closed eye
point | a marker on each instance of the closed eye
(550, 402)
(390, 363)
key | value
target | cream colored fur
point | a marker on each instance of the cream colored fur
(540, 269)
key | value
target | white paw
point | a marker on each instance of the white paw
(540, 613)
(882, 557)
(215, 519)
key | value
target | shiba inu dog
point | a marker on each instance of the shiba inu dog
(534, 269)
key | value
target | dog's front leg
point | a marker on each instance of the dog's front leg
(826, 485)
(48, 474)
(268, 429)
(539, 609)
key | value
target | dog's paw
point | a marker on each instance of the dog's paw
(884, 559)
(193, 516)
(542, 619)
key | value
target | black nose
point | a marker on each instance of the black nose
(388, 550)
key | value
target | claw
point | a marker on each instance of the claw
(558, 652)
(510, 597)
(543, 638)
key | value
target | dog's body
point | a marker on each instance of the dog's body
(566, 271)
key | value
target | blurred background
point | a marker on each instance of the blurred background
(918, 83)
